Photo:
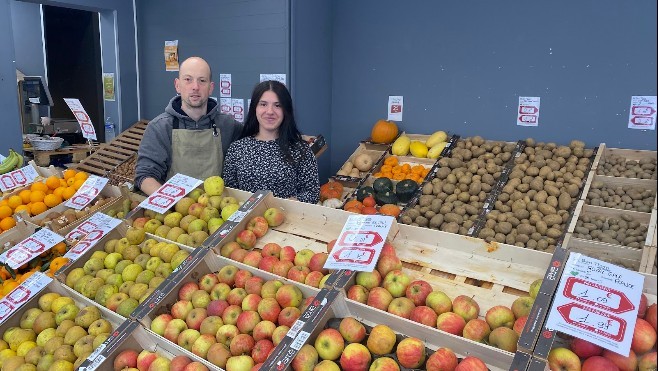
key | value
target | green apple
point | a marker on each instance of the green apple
(110, 245)
(135, 236)
(104, 293)
(178, 258)
(122, 265)
(92, 266)
(168, 251)
(104, 273)
(146, 245)
(99, 254)
(228, 210)
(214, 185)
(90, 288)
(173, 220)
(87, 316)
(80, 283)
(153, 263)
(114, 280)
(141, 259)
(45, 335)
(155, 282)
(164, 270)
(162, 231)
(73, 276)
(214, 224)
(27, 319)
(60, 302)
(137, 290)
(68, 311)
(152, 225)
(127, 306)
(100, 326)
(74, 334)
(145, 276)
(131, 271)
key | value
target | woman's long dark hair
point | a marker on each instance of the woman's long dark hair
(289, 135)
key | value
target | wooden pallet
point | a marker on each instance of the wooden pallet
(79, 152)
(110, 155)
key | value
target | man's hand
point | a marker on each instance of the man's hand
(149, 185)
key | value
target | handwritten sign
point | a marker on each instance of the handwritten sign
(395, 105)
(596, 301)
(87, 127)
(171, 192)
(18, 178)
(30, 248)
(21, 294)
(91, 188)
(360, 243)
(225, 85)
(642, 114)
(528, 113)
(280, 77)
(91, 231)
(237, 107)
(226, 106)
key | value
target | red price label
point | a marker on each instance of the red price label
(528, 109)
(594, 321)
(396, 108)
(528, 118)
(172, 190)
(643, 110)
(359, 255)
(360, 238)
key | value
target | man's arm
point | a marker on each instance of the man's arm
(153, 155)
(149, 185)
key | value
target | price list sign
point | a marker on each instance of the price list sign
(171, 192)
(528, 114)
(30, 248)
(21, 294)
(360, 243)
(91, 231)
(18, 178)
(91, 188)
(642, 114)
(87, 127)
(598, 302)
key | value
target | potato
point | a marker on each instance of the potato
(551, 220)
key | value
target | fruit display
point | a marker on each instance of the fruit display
(640, 198)
(396, 169)
(120, 210)
(123, 269)
(384, 132)
(420, 146)
(454, 198)
(56, 220)
(12, 162)
(617, 165)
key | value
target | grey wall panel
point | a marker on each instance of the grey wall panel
(28, 46)
(461, 66)
(11, 128)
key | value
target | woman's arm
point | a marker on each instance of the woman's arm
(230, 172)
(308, 180)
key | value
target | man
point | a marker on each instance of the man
(191, 137)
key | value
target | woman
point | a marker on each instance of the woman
(271, 153)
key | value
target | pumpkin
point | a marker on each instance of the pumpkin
(331, 190)
(390, 209)
(406, 189)
(363, 162)
(384, 132)
(382, 185)
(364, 192)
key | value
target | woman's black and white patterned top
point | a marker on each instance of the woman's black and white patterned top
(253, 164)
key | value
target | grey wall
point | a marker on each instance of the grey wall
(461, 66)
(243, 38)
(11, 130)
(311, 72)
(26, 29)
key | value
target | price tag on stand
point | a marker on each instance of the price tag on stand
(21, 294)
(360, 243)
(528, 114)
(395, 107)
(30, 248)
(91, 188)
(87, 127)
(171, 192)
(642, 114)
(597, 301)
(91, 231)
(18, 178)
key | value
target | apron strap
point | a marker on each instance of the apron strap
(175, 123)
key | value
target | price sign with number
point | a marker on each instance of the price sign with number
(225, 85)
(21, 294)
(18, 178)
(91, 188)
(87, 127)
(528, 113)
(360, 243)
(30, 248)
(171, 192)
(642, 114)
(598, 302)
(92, 230)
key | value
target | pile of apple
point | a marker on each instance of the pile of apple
(353, 347)
(193, 217)
(231, 318)
(304, 266)
(130, 360)
(126, 271)
(585, 356)
(389, 289)
(56, 335)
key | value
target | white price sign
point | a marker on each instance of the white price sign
(87, 127)
(528, 113)
(238, 109)
(30, 248)
(21, 294)
(395, 107)
(18, 178)
(226, 106)
(91, 231)
(91, 188)
(225, 85)
(642, 114)
(171, 192)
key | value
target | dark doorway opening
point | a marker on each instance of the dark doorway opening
(73, 60)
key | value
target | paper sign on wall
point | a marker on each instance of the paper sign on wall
(171, 192)
(360, 243)
(108, 86)
(171, 55)
(226, 106)
(225, 85)
(92, 229)
(238, 109)
(280, 77)
(87, 192)
(597, 301)
(395, 106)
(528, 113)
(18, 178)
(642, 114)
(31, 247)
(87, 127)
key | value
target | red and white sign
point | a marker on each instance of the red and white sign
(21, 294)
(395, 107)
(31, 247)
(91, 231)
(171, 192)
(87, 192)
(597, 301)
(87, 127)
(642, 114)
(237, 107)
(225, 85)
(360, 243)
(528, 113)
(226, 106)
(18, 178)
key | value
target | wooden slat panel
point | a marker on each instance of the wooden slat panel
(130, 140)
(99, 164)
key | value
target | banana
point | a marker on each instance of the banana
(21, 160)
(9, 163)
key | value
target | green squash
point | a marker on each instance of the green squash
(382, 185)
(387, 197)
(364, 192)
(406, 190)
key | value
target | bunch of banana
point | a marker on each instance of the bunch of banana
(11, 162)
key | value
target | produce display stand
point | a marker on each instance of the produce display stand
(376, 152)
(21, 231)
(79, 152)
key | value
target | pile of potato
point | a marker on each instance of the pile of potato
(623, 230)
(625, 198)
(452, 201)
(533, 208)
(621, 167)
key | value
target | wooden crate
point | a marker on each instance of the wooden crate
(110, 155)
(44, 172)
(79, 152)
(22, 230)
(375, 152)
(614, 182)
(628, 154)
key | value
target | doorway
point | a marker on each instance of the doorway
(73, 60)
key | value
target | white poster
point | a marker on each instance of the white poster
(642, 114)
(395, 106)
(226, 106)
(87, 127)
(280, 77)
(225, 85)
(238, 109)
(528, 113)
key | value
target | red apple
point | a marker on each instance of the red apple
(358, 293)
(267, 263)
(279, 333)
(623, 363)
(471, 363)
(253, 285)
(185, 291)
(330, 245)
(228, 248)
(195, 318)
(230, 315)
(466, 307)
(160, 322)
(477, 330)
(264, 330)
(648, 362)
(418, 291)
(246, 239)
(306, 358)
(329, 344)
(499, 316)
(298, 273)
(174, 329)
(216, 307)
(317, 262)
(258, 225)
(439, 301)
(288, 316)
(241, 277)
(179, 363)
(144, 359)
(261, 350)
(598, 363)
(642, 308)
(252, 259)
(585, 349)
(396, 283)
(269, 309)
(379, 364)
(282, 267)
(289, 296)
(443, 359)
(314, 278)
(519, 324)
(381, 340)
(207, 282)
(651, 315)
(288, 253)
(411, 352)
(644, 337)
(401, 307)
(352, 330)
(247, 320)
(522, 306)
(379, 298)
(181, 309)
(220, 291)
(238, 255)
(236, 296)
(274, 216)
(425, 315)
(227, 274)
(125, 359)
(242, 344)
(272, 249)
(369, 280)
(451, 323)
(226, 333)
(563, 359)
(504, 338)
(355, 357)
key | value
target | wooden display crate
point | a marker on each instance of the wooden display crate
(22, 230)
(614, 182)
(374, 151)
(44, 172)
(629, 154)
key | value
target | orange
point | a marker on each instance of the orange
(3, 202)
(68, 193)
(62, 183)
(52, 182)
(25, 276)
(78, 183)
(59, 249)
(70, 181)
(69, 173)
(14, 201)
(81, 175)
(38, 207)
(52, 200)
(22, 208)
(58, 191)
(8, 287)
(5, 211)
(7, 223)
(37, 196)
(25, 195)
(38, 186)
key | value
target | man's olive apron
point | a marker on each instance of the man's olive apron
(196, 153)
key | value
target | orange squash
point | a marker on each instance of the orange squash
(384, 131)
(390, 209)
(331, 190)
